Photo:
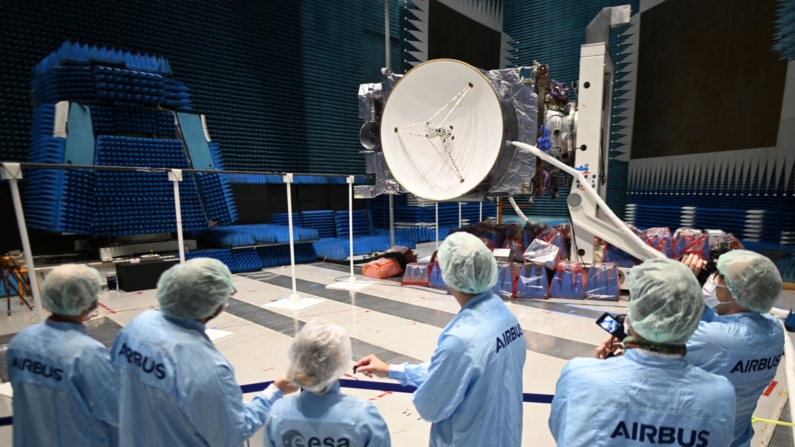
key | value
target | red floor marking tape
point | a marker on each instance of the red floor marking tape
(107, 308)
(770, 388)
(125, 310)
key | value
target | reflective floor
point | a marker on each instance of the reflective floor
(399, 324)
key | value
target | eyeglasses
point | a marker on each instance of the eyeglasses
(717, 277)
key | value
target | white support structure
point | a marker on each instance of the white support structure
(583, 203)
(350, 224)
(295, 301)
(593, 132)
(481, 212)
(175, 175)
(437, 226)
(288, 181)
(388, 47)
(351, 284)
(460, 223)
(391, 220)
(13, 173)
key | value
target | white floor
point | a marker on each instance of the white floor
(378, 318)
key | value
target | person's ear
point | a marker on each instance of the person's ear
(91, 308)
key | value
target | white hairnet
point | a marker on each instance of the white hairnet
(666, 304)
(194, 289)
(71, 289)
(467, 264)
(320, 353)
(752, 279)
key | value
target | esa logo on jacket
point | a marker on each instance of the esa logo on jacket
(294, 438)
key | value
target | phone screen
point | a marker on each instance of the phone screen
(611, 325)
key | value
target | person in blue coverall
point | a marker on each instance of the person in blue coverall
(737, 338)
(471, 390)
(321, 415)
(176, 389)
(651, 395)
(65, 390)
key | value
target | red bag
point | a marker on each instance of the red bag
(417, 274)
(382, 268)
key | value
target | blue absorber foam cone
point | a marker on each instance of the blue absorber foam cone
(602, 282)
(533, 282)
(437, 278)
(569, 281)
(506, 280)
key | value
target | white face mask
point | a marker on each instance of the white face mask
(709, 291)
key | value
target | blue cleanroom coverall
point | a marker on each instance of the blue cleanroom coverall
(641, 399)
(332, 419)
(745, 348)
(177, 390)
(65, 391)
(471, 390)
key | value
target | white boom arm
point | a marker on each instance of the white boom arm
(583, 205)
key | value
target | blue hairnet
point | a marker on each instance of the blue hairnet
(467, 264)
(320, 353)
(666, 303)
(71, 289)
(194, 289)
(752, 279)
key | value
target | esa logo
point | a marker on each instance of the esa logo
(294, 438)
(148, 365)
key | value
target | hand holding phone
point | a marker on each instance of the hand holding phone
(608, 349)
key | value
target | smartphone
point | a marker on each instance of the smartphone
(112, 283)
(610, 324)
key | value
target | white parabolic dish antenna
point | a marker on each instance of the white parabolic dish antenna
(442, 129)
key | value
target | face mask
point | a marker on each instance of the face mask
(709, 291)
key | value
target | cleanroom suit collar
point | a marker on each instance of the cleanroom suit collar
(476, 299)
(187, 323)
(645, 358)
(63, 325)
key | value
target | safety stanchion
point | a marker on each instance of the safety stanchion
(288, 181)
(437, 226)
(391, 221)
(351, 283)
(175, 175)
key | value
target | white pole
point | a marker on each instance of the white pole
(391, 221)
(386, 38)
(350, 223)
(460, 223)
(175, 175)
(288, 181)
(13, 172)
(481, 212)
(437, 225)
